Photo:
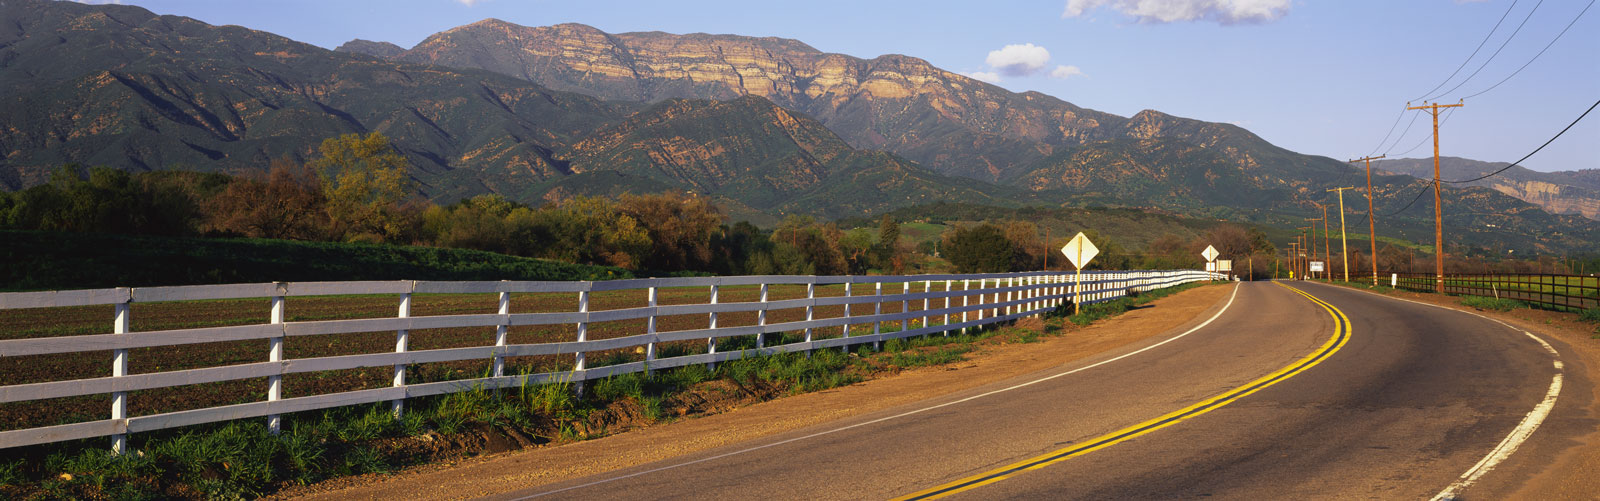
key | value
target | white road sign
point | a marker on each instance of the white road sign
(1080, 250)
(1212, 266)
(1225, 265)
(1210, 253)
(1316, 266)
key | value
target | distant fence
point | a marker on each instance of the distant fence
(1556, 292)
(948, 303)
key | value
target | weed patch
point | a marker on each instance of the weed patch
(1489, 303)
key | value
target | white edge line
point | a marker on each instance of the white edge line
(903, 414)
(1524, 429)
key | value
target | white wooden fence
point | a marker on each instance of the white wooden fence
(965, 301)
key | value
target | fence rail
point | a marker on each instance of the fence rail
(1557, 292)
(1025, 294)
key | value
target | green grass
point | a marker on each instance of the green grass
(1489, 303)
(1590, 315)
(1099, 311)
(37, 260)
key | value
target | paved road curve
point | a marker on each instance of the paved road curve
(1269, 395)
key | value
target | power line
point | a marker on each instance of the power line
(1535, 150)
(1496, 51)
(1385, 139)
(1541, 51)
(1403, 133)
(1486, 38)
(1413, 200)
(1447, 114)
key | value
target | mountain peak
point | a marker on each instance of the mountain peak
(383, 50)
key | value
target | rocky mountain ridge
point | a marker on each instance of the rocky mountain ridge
(1562, 192)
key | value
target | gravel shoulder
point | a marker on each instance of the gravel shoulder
(521, 469)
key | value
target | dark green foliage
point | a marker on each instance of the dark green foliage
(980, 249)
(107, 200)
(51, 260)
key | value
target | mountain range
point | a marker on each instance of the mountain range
(767, 126)
(1561, 192)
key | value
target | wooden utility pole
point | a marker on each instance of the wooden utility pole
(1327, 254)
(1047, 248)
(1344, 244)
(1438, 201)
(1311, 241)
(1372, 228)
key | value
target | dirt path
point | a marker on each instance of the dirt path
(521, 469)
(1572, 474)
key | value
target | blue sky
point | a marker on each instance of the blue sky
(1321, 77)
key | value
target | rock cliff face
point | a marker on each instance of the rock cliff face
(1565, 192)
(943, 120)
(947, 121)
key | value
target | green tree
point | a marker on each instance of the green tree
(682, 229)
(978, 249)
(365, 180)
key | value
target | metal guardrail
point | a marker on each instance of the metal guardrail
(1556, 292)
(1025, 294)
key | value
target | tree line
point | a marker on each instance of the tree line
(355, 189)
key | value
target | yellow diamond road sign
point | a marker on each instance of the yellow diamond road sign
(1080, 250)
(1210, 254)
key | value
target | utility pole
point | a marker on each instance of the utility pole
(1372, 228)
(1438, 201)
(1311, 241)
(1047, 248)
(1344, 244)
(1327, 254)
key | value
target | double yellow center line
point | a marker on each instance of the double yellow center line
(1341, 334)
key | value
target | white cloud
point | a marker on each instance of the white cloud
(1169, 11)
(987, 76)
(1066, 71)
(468, 3)
(1018, 59)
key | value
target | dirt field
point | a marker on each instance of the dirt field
(497, 473)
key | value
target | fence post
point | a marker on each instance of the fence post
(275, 354)
(946, 321)
(811, 305)
(927, 286)
(877, 309)
(500, 331)
(761, 318)
(982, 291)
(650, 329)
(402, 338)
(583, 335)
(846, 346)
(1011, 282)
(995, 311)
(711, 342)
(905, 306)
(120, 324)
(966, 284)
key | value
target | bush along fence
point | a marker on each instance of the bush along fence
(818, 313)
(1552, 292)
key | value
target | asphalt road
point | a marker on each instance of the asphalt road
(1400, 402)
